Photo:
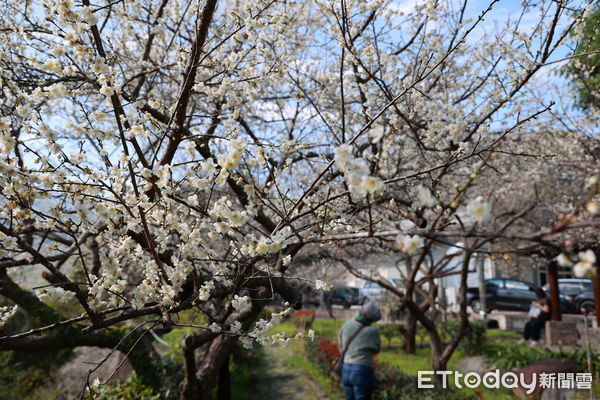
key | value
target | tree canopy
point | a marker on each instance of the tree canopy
(158, 156)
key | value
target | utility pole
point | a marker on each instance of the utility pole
(482, 291)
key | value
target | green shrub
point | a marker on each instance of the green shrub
(510, 355)
(131, 389)
(473, 341)
(170, 373)
(392, 384)
(389, 332)
(421, 334)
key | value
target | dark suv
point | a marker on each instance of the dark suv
(579, 292)
(509, 294)
(343, 295)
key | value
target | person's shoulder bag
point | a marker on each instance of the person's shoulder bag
(340, 361)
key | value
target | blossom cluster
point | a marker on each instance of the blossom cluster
(409, 244)
(479, 210)
(582, 263)
(54, 294)
(321, 285)
(356, 172)
(425, 198)
(6, 312)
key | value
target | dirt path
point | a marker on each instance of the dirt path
(283, 381)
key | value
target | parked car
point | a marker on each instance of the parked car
(373, 291)
(509, 294)
(342, 295)
(579, 292)
(310, 296)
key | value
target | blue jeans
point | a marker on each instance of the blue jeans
(358, 381)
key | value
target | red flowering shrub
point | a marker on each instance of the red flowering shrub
(324, 353)
(330, 351)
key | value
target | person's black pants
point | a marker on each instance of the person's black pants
(533, 328)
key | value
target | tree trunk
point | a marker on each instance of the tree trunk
(410, 334)
(211, 362)
(224, 388)
(441, 355)
(438, 360)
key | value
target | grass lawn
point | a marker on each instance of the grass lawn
(499, 347)
(498, 334)
(393, 355)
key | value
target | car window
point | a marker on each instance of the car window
(587, 286)
(570, 287)
(516, 285)
(495, 283)
(371, 285)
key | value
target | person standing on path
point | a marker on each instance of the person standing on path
(358, 374)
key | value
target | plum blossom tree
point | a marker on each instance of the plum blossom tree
(170, 155)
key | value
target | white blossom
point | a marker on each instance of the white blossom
(356, 173)
(409, 244)
(585, 265)
(241, 303)
(247, 342)
(95, 384)
(6, 312)
(592, 207)
(54, 294)
(88, 16)
(321, 285)
(204, 291)
(235, 326)
(479, 209)
(287, 260)
(424, 197)
(279, 338)
(343, 155)
(377, 133)
(564, 260)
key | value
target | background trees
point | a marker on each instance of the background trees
(583, 70)
(160, 156)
